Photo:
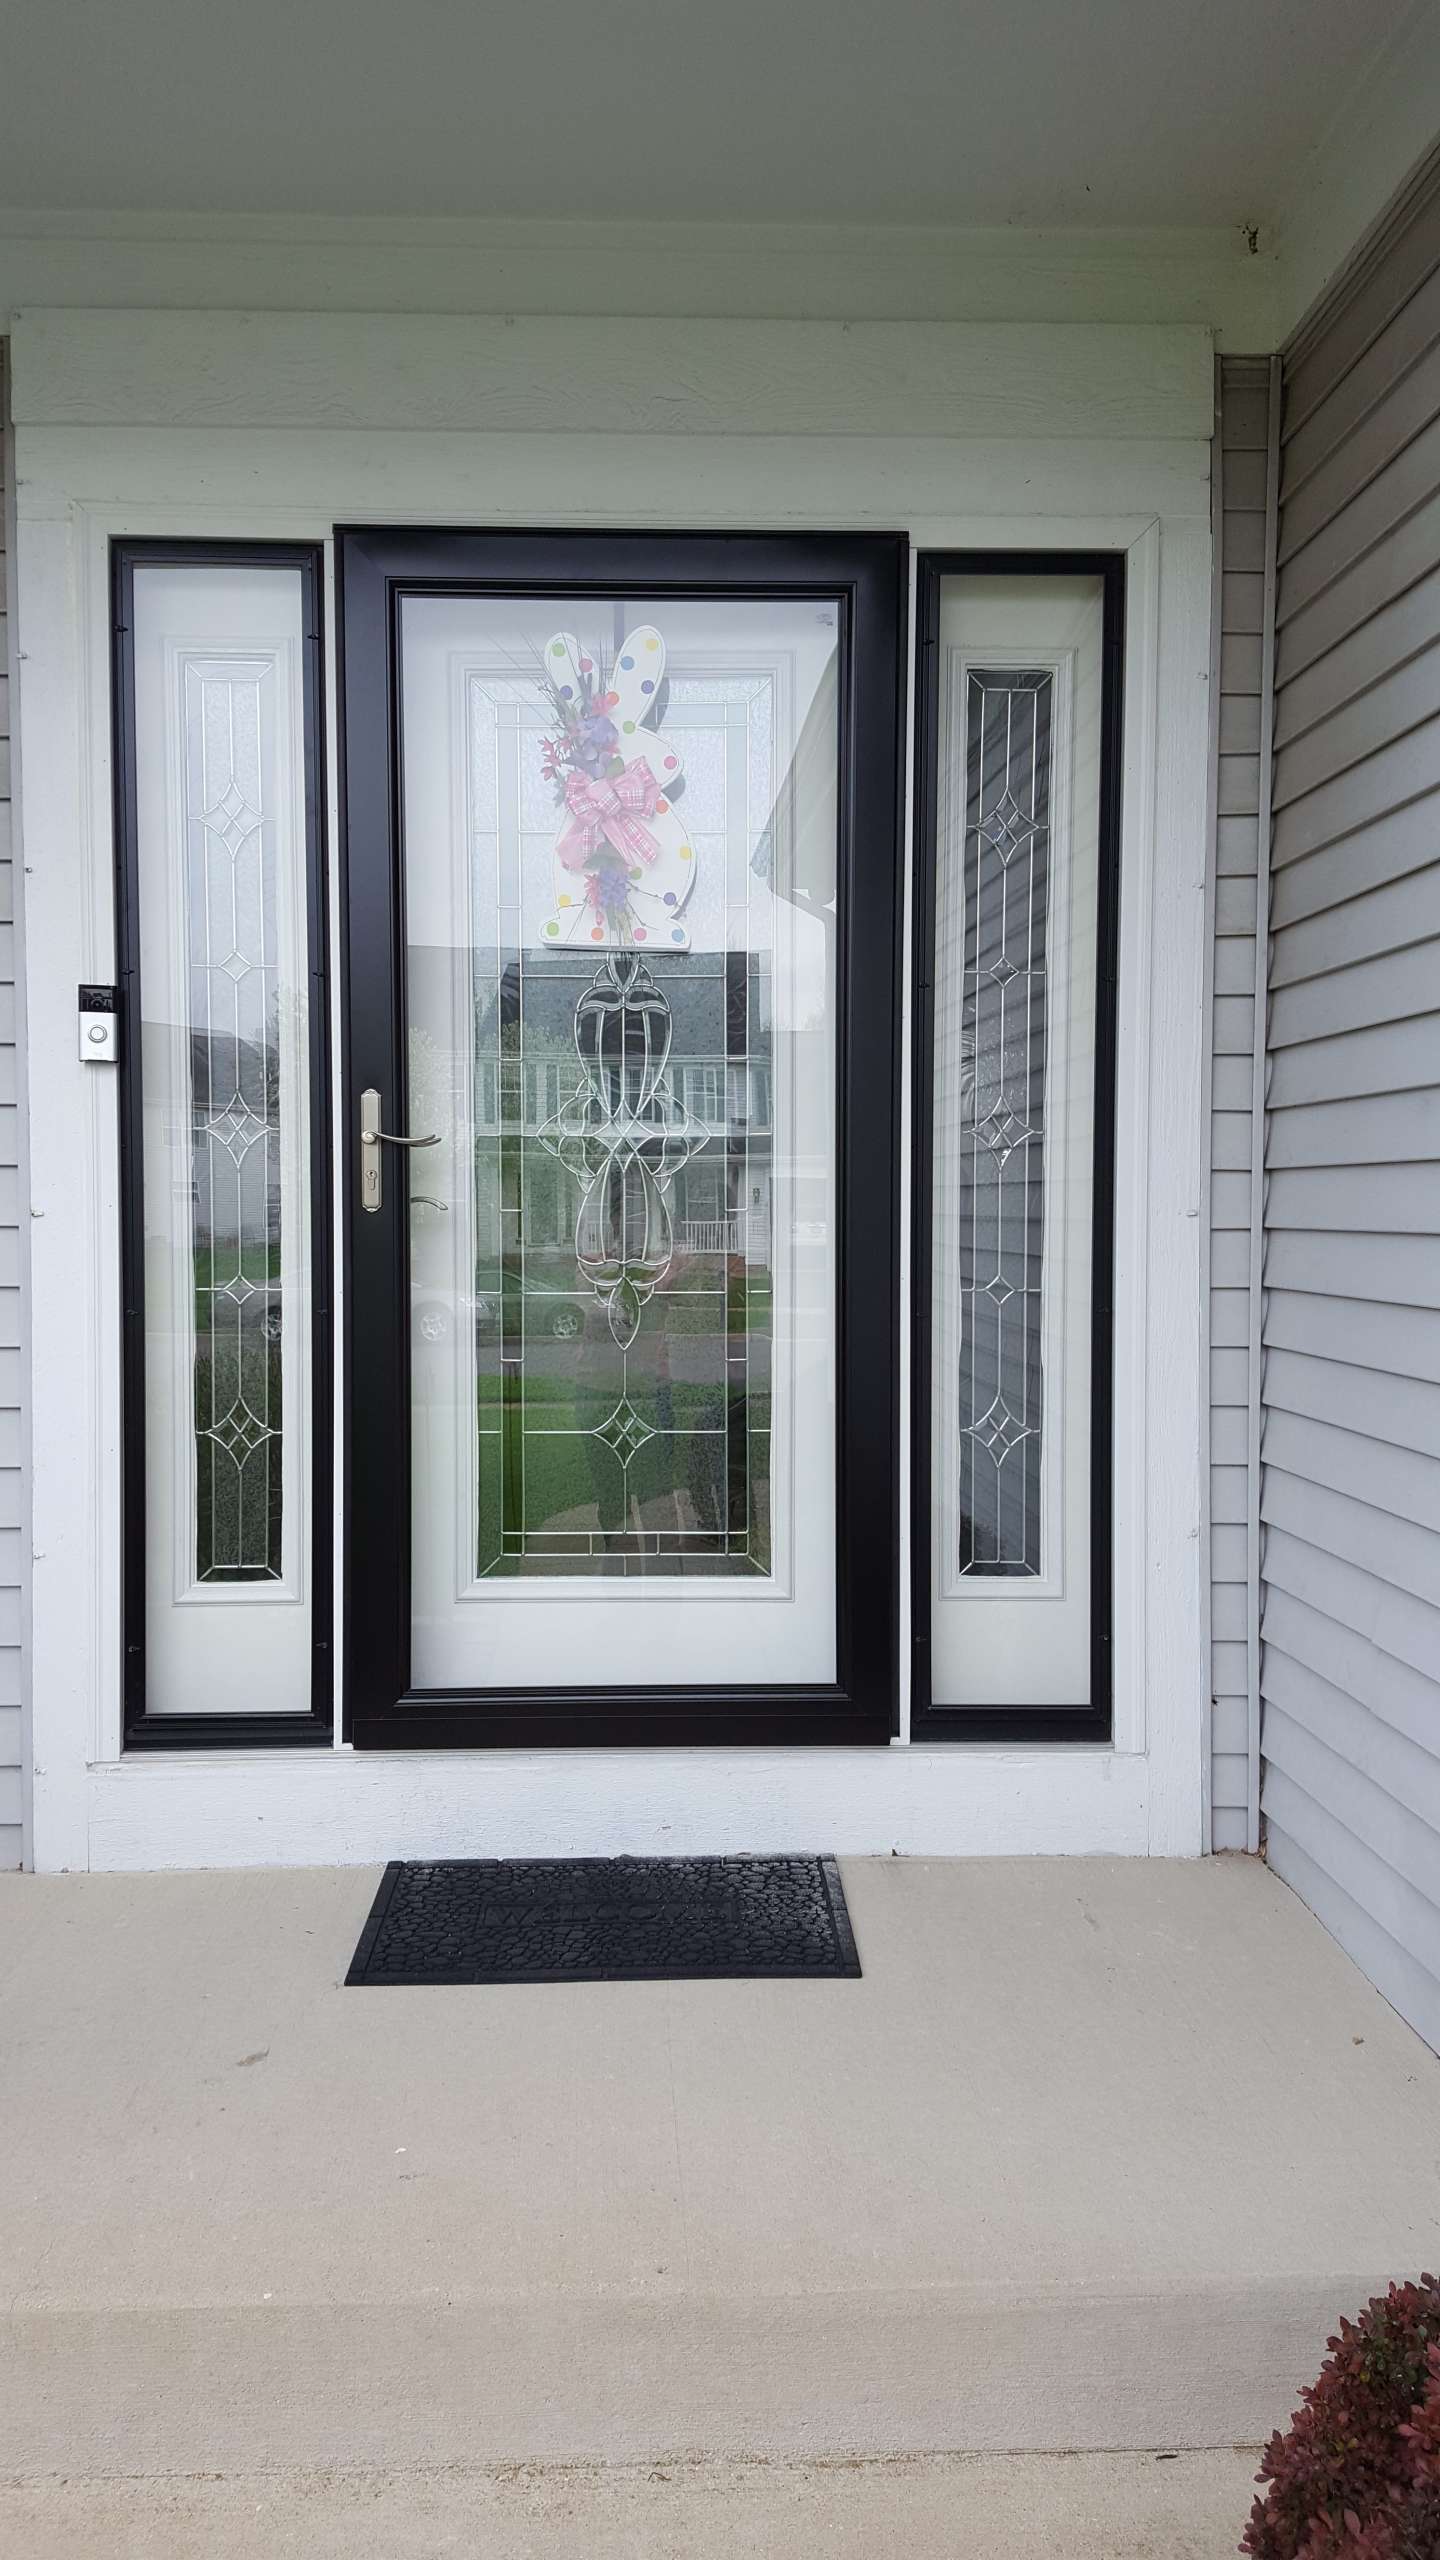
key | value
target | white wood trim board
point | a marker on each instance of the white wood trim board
(138, 427)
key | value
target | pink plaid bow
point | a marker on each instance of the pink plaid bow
(610, 812)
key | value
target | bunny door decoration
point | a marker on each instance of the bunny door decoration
(624, 865)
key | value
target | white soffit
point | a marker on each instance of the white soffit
(1034, 113)
(1375, 138)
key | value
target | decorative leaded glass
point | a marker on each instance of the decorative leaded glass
(235, 1121)
(622, 1150)
(1001, 1133)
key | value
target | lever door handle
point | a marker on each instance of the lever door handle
(372, 1139)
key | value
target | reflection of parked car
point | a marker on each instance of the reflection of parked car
(435, 1313)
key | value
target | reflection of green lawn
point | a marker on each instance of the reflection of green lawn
(570, 1476)
(748, 1308)
(216, 1266)
(220, 1379)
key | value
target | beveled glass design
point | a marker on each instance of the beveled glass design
(1001, 1119)
(622, 1088)
(235, 1190)
(624, 1135)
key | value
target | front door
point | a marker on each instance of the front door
(621, 1109)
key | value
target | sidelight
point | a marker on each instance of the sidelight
(1016, 1092)
(218, 951)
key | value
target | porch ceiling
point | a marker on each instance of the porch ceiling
(1117, 113)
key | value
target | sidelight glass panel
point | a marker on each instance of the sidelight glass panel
(999, 1131)
(620, 880)
(1016, 886)
(236, 1242)
(221, 887)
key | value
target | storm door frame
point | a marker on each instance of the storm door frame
(867, 575)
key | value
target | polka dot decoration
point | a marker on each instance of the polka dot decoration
(643, 905)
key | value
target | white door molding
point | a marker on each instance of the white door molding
(81, 485)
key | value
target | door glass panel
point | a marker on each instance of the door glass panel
(224, 991)
(620, 858)
(1016, 902)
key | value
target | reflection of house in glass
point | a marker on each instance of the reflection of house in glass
(718, 1073)
(620, 1108)
(719, 1202)
(235, 1122)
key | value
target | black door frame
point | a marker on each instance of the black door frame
(1091, 1721)
(866, 574)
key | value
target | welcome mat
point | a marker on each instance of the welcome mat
(606, 1920)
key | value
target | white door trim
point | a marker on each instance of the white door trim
(1141, 1794)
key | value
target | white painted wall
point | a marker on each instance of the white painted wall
(243, 423)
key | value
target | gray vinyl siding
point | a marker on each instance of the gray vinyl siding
(1350, 1498)
(1240, 520)
(12, 1241)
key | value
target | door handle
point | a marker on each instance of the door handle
(372, 1139)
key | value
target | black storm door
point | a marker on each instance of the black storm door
(621, 1109)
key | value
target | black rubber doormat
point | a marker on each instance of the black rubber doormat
(607, 1920)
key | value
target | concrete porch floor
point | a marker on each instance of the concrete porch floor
(1091, 2160)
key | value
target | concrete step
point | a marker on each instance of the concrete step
(1093, 2157)
(1026, 2507)
(567, 2380)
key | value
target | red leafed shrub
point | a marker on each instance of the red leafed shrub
(1358, 2475)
